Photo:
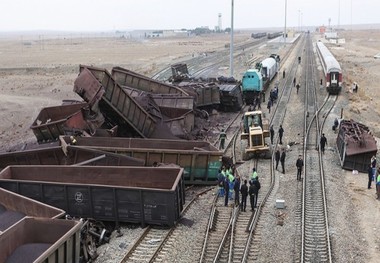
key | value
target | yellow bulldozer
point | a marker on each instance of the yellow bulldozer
(254, 131)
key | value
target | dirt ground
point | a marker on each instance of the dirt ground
(39, 73)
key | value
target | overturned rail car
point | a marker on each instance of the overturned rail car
(154, 195)
(231, 98)
(71, 155)
(59, 120)
(14, 207)
(41, 240)
(205, 94)
(128, 78)
(177, 111)
(356, 145)
(200, 160)
(116, 103)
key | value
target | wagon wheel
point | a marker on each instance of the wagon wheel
(90, 247)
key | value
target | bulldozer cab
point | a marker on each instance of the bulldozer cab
(255, 130)
(254, 119)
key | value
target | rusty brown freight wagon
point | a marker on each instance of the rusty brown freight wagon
(200, 159)
(52, 122)
(120, 194)
(116, 103)
(71, 155)
(14, 207)
(41, 240)
(356, 145)
(125, 77)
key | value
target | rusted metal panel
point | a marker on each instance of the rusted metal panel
(121, 103)
(41, 240)
(205, 94)
(14, 207)
(356, 145)
(182, 125)
(69, 155)
(59, 120)
(125, 77)
(153, 195)
(171, 101)
(200, 159)
(175, 102)
(88, 87)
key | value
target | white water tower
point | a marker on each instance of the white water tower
(220, 21)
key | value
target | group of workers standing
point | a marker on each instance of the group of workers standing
(280, 133)
(231, 188)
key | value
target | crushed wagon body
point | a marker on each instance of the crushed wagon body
(115, 103)
(59, 120)
(356, 145)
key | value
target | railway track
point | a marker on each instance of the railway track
(217, 230)
(315, 243)
(242, 234)
(150, 245)
(251, 252)
(199, 66)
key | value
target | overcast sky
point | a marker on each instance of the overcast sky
(96, 15)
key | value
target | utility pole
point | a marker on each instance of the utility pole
(338, 15)
(232, 41)
(285, 23)
(299, 19)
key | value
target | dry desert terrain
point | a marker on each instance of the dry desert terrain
(38, 72)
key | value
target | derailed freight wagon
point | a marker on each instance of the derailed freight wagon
(119, 194)
(200, 160)
(52, 122)
(14, 207)
(70, 155)
(41, 240)
(356, 145)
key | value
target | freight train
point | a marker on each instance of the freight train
(258, 35)
(256, 81)
(331, 69)
(225, 94)
(274, 35)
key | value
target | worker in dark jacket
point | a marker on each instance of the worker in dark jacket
(277, 157)
(271, 134)
(226, 190)
(371, 177)
(280, 133)
(269, 105)
(256, 190)
(282, 160)
(299, 164)
(244, 194)
(323, 142)
(237, 189)
(222, 138)
(252, 190)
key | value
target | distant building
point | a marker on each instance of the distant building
(158, 33)
(331, 35)
(322, 29)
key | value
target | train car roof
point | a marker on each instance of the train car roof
(331, 63)
(268, 62)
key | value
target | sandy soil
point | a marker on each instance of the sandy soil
(36, 74)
